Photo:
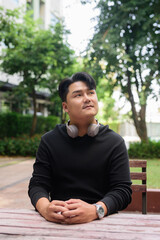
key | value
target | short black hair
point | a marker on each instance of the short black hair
(79, 76)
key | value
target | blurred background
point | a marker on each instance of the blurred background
(44, 41)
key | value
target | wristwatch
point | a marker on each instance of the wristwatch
(99, 210)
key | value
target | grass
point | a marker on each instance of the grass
(153, 174)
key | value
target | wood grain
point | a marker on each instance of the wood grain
(28, 224)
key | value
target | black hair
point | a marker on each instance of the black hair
(79, 76)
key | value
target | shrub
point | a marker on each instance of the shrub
(14, 124)
(44, 124)
(23, 146)
(144, 150)
(114, 126)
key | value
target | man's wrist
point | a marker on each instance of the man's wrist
(42, 205)
(104, 207)
(99, 211)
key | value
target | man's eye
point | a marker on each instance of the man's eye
(78, 95)
(91, 92)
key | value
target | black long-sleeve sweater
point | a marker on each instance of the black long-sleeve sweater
(88, 168)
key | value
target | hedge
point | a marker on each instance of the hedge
(24, 146)
(144, 150)
(14, 124)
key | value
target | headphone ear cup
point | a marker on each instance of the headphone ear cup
(93, 130)
(72, 130)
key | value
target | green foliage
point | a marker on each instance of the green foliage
(107, 112)
(23, 146)
(41, 57)
(64, 67)
(14, 124)
(143, 150)
(114, 126)
(45, 124)
(126, 47)
(17, 99)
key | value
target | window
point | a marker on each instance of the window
(54, 19)
(16, 1)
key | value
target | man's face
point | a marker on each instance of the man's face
(81, 102)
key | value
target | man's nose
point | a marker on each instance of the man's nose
(86, 98)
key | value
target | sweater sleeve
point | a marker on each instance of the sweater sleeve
(119, 195)
(40, 183)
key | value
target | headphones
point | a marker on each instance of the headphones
(92, 131)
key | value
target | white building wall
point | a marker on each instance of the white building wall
(128, 131)
(57, 7)
(42, 8)
(53, 9)
(12, 4)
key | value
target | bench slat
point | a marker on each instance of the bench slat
(138, 176)
(138, 163)
(139, 188)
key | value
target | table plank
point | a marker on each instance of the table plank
(28, 224)
(63, 234)
(109, 221)
(33, 220)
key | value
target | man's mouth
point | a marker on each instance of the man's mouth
(88, 106)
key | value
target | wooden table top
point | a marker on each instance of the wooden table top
(29, 225)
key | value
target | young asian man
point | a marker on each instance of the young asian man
(81, 172)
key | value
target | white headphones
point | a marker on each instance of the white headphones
(92, 131)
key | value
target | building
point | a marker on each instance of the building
(48, 10)
(7, 103)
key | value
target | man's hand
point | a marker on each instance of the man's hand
(52, 211)
(70, 212)
(79, 212)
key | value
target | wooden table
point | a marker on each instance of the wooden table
(29, 225)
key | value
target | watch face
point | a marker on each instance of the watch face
(100, 211)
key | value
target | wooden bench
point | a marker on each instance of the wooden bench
(140, 176)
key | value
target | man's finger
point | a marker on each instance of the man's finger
(58, 216)
(59, 203)
(71, 213)
(57, 208)
(70, 201)
(72, 220)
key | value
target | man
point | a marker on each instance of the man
(81, 171)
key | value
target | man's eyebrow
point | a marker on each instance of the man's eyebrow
(77, 91)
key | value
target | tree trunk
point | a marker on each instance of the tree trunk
(138, 118)
(141, 126)
(34, 120)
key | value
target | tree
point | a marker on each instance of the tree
(31, 52)
(64, 67)
(127, 43)
(17, 99)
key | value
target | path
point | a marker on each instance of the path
(14, 178)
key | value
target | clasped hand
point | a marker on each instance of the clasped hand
(70, 212)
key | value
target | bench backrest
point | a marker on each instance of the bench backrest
(140, 176)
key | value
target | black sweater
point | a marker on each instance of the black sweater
(88, 168)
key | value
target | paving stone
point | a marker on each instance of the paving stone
(14, 184)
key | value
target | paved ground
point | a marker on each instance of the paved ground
(14, 177)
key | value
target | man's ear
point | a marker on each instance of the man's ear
(65, 108)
